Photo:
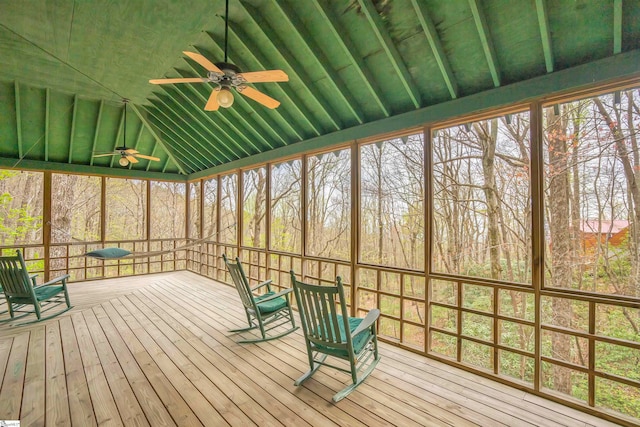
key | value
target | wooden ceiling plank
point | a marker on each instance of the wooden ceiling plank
(18, 119)
(545, 34)
(190, 153)
(322, 62)
(47, 118)
(436, 47)
(487, 44)
(617, 26)
(348, 48)
(202, 150)
(289, 97)
(97, 131)
(292, 64)
(390, 49)
(158, 139)
(73, 128)
(251, 108)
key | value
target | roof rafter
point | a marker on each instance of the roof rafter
(436, 47)
(212, 135)
(287, 95)
(284, 116)
(487, 44)
(292, 64)
(73, 127)
(171, 135)
(192, 154)
(157, 138)
(18, 118)
(545, 34)
(115, 143)
(253, 109)
(135, 144)
(392, 52)
(190, 124)
(321, 60)
(47, 122)
(97, 131)
(348, 48)
(617, 26)
(220, 114)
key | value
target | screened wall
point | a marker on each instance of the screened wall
(505, 243)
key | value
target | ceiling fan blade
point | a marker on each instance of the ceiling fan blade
(265, 76)
(106, 155)
(258, 96)
(132, 159)
(212, 103)
(208, 65)
(131, 151)
(144, 156)
(185, 80)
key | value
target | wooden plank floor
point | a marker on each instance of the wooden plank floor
(156, 351)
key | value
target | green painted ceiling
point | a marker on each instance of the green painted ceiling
(66, 65)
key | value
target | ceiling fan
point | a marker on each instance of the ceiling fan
(127, 155)
(227, 76)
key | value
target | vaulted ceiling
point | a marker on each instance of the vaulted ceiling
(356, 67)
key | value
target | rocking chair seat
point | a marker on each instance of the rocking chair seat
(272, 305)
(43, 293)
(359, 341)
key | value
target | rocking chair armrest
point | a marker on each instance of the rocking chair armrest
(56, 280)
(33, 278)
(278, 295)
(366, 323)
(266, 283)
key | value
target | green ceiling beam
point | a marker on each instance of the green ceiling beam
(292, 64)
(289, 99)
(221, 157)
(545, 34)
(18, 118)
(487, 44)
(201, 149)
(47, 118)
(73, 128)
(220, 114)
(153, 153)
(322, 62)
(430, 31)
(392, 52)
(215, 130)
(177, 141)
(89, 170)
(617, 26)
(97, 131)
(622, 66)
(260, 113)
(157, 138)
(120, 132)
(368, 81)
(135, 144)
(189, 153)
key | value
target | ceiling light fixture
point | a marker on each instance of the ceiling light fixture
(123, 161)
(225, 97)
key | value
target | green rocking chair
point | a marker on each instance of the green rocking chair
(329, 331)
(264, 312)
(20, 290)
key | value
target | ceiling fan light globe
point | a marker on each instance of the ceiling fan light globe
(123, 161)
(225, 98)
